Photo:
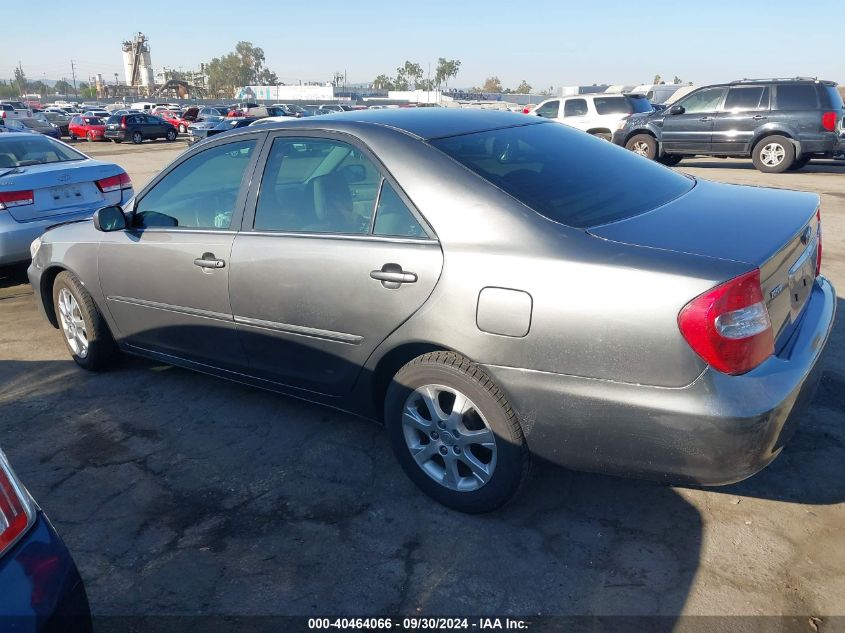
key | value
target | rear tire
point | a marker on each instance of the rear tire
(85, 332)
(473, 460)
(182, 129)
(643, 144)
(170, 136)
(773, 154)
(137, 138)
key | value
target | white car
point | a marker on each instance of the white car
(14, 110)
(597, 114)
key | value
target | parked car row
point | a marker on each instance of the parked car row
(781, 124)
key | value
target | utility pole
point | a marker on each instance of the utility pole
(73, 72)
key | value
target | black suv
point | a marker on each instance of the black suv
(780, 123)
(137, 127)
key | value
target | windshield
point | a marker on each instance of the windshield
(25, 149)
(565, 175)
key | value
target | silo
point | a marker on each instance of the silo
(127, 62)
(147, 76)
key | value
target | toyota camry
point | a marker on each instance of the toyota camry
(494, 289)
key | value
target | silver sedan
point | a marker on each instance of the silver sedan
(495, 289)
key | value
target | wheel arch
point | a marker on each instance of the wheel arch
(600, 130)
(766, 132)
(386, 367)
(642, 130)
(48, 279)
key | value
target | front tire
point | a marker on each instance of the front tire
(773, 154)
(85, 331)
(455, 434)
(137, 138)
(643, 144)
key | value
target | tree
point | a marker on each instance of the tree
(523, 88)
(37, 87)
(446, 69)
(656, 80)
(677, 81)
(383, 82)
(20, 80)
(86, 91)
(492, 84)
(62, 87)
(409, 74)
(242, 67)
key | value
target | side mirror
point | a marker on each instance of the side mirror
(109, 219)
(677, 109)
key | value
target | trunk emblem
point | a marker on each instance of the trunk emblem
(775, 292)
(66, 177)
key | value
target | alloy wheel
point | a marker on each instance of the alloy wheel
(449, 438)
(641, 148)
(73, 325)
(772, 154)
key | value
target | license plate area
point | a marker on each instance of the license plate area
(802, 275)
(65, 196)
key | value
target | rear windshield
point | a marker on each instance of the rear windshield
(565, 175)
(92, 120)
(25, 149)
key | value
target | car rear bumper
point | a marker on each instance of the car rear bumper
(16, 237)
(717, 430)
(40, 587)
(118, 134)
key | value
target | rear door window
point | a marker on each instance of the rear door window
(797, 97)
(564, 175)
(747, 98)
(575, 107)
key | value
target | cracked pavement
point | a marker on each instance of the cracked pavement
(179, 493)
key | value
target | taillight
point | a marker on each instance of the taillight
(4, 114)
(123, 122)
(729, 326)
(819, 242)
(16, 510)
(829, 120)
(114, 183)
(15, 199)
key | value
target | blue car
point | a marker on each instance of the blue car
(35, 125)
(40, 587)
(44, 182)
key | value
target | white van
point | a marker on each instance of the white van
(142, 106)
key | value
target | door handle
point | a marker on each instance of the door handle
(759, 117)
(706, 118)
(392, 276)
(208, 260)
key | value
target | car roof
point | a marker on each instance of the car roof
(423, 123)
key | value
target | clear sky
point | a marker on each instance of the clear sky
(546, 42)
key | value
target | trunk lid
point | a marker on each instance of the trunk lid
(773, 230)
(61, 188)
